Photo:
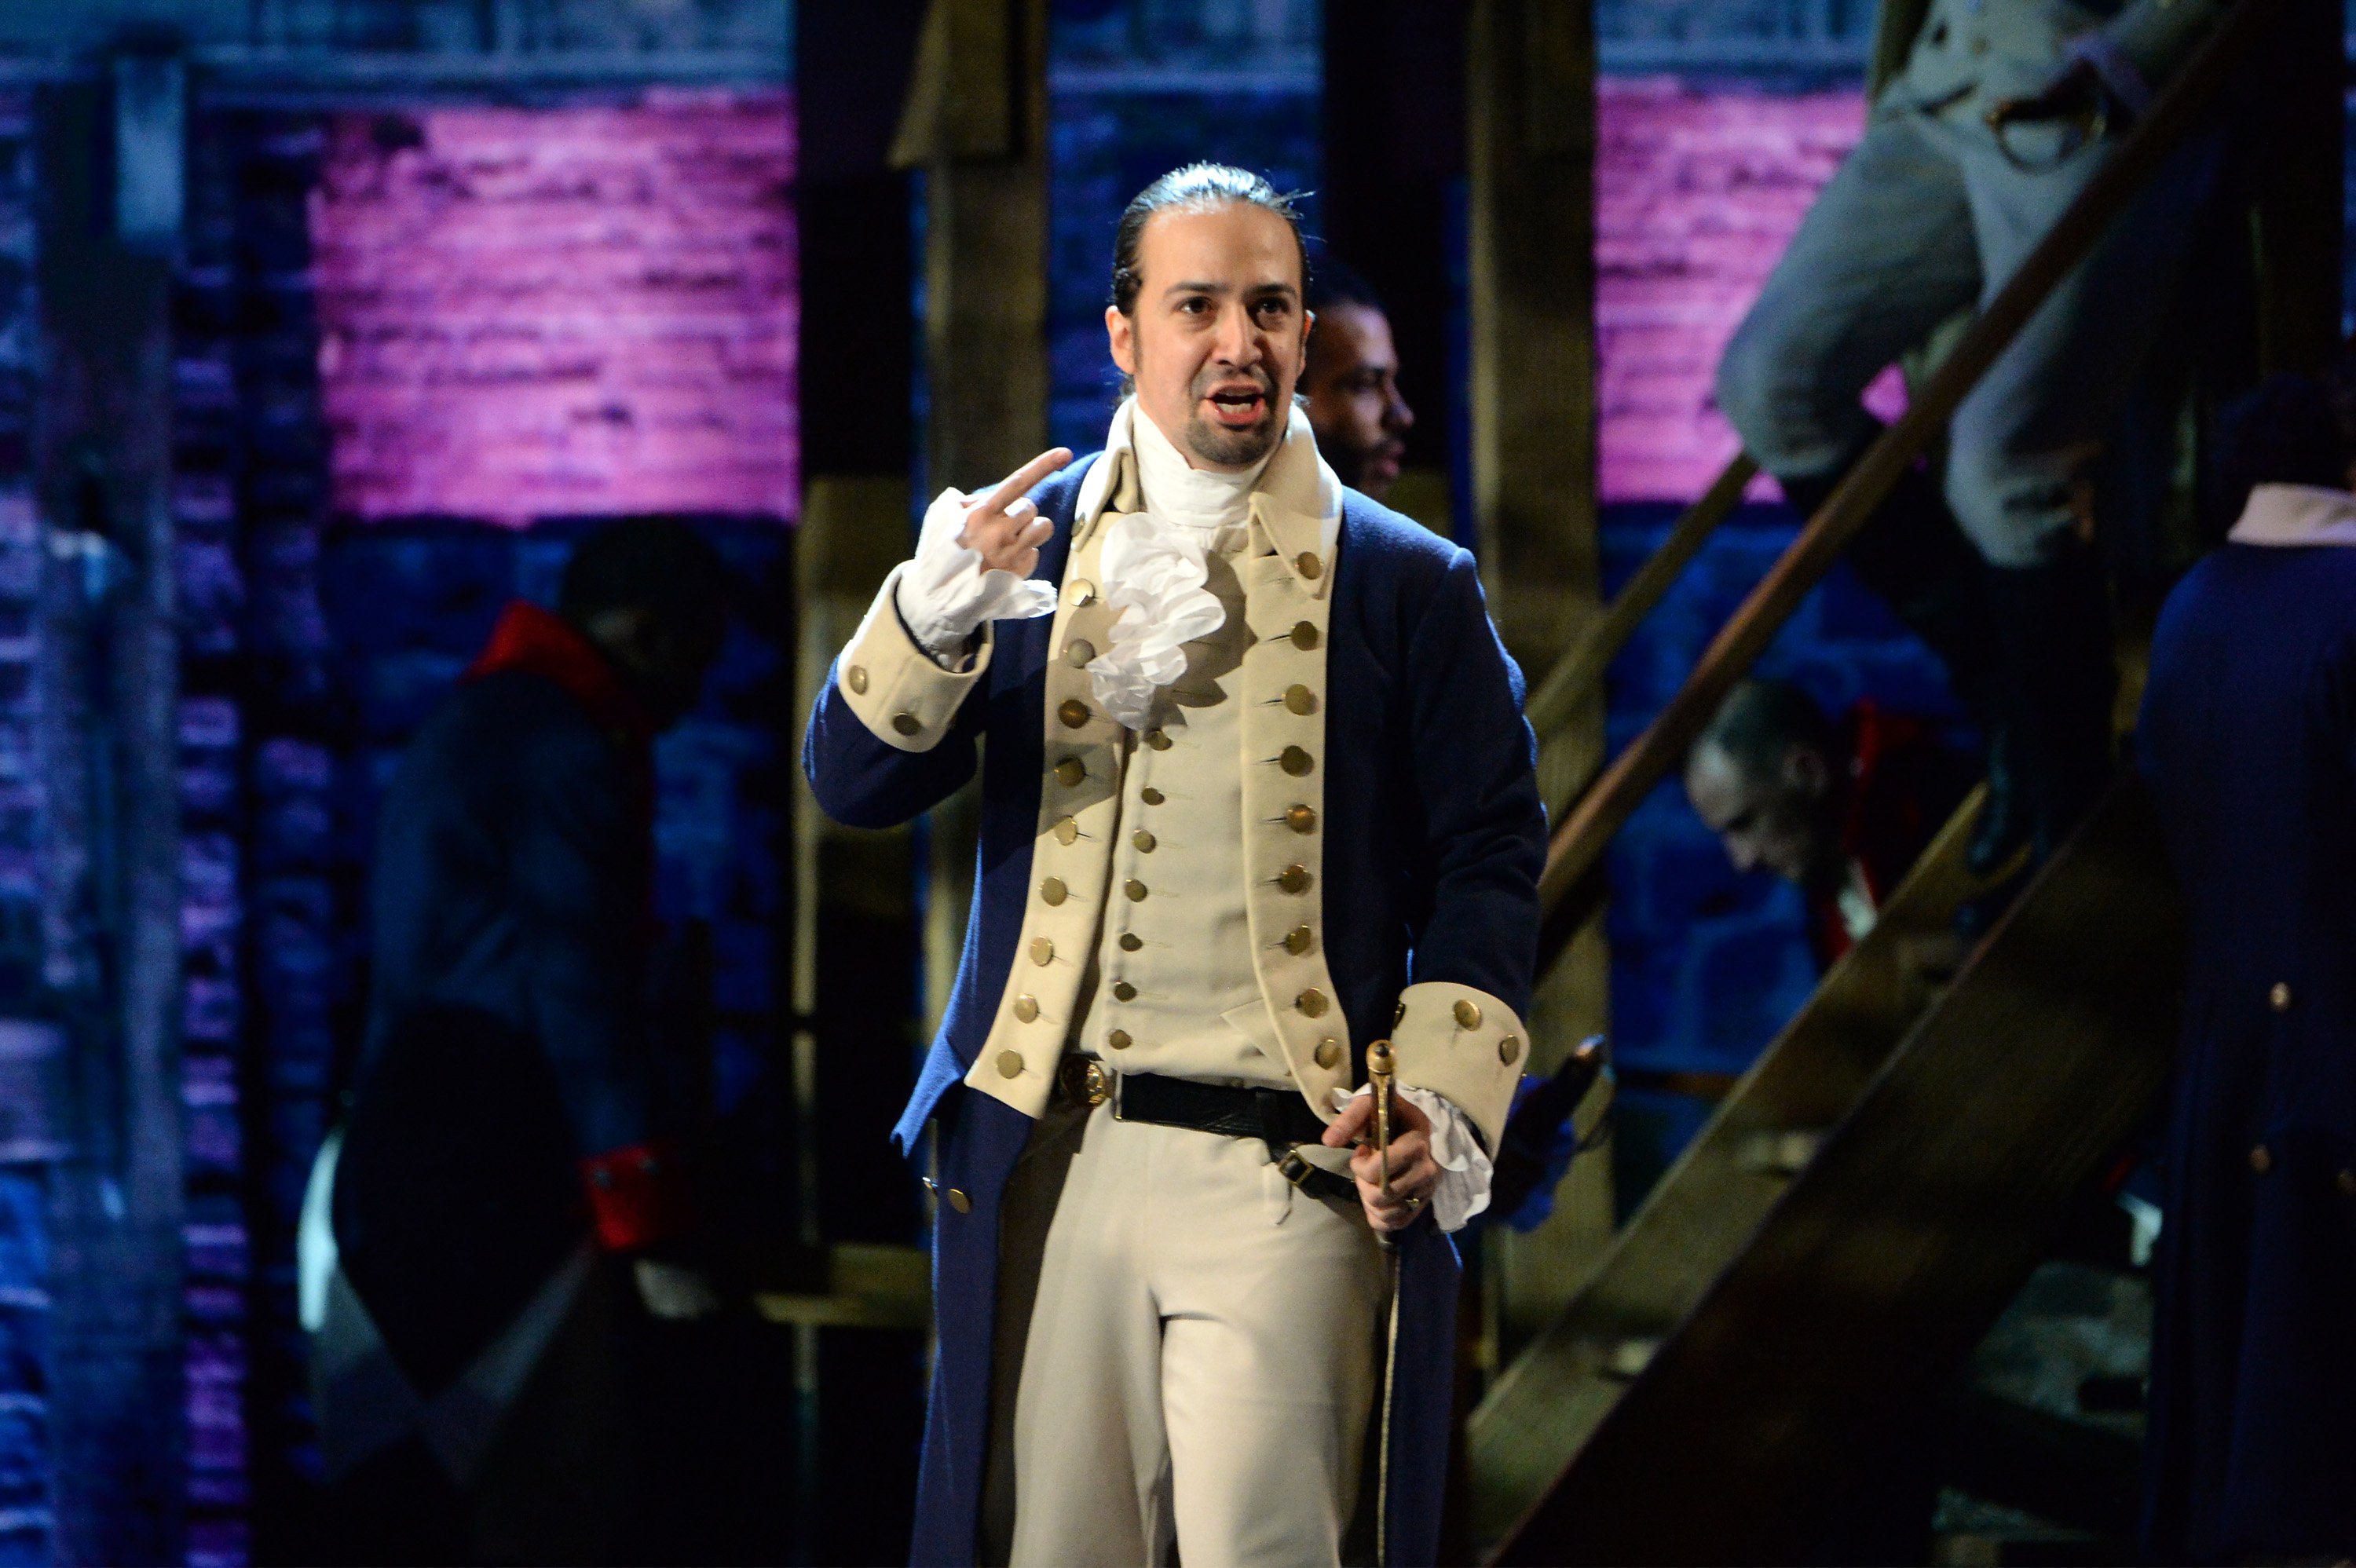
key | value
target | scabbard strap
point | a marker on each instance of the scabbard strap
(1278, 1117)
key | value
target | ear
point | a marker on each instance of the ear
(1805, 770)
(1122, 332)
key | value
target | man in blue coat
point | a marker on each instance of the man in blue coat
(2248, 738)
(1257, 794)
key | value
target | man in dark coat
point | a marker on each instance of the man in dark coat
(508, 1194)
(1841, 811)
(1256, 794)
(2248, 739)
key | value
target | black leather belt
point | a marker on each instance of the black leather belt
(1279, 1117)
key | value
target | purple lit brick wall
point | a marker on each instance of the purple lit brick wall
(1697, 190)
(535, 313)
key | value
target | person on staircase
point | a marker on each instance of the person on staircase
(1257, 795)
(2247, 738)
(1840, 811)
(2002, 114)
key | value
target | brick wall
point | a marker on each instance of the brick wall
(528, 312)
(1697, 190)
(29, 893)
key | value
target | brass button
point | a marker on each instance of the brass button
(1293, 879)
(1131, 942)
(1095, 1083)
(2279, 997)
(1329, 1052)
(1295, 762)
(1297, 940)
(1468, 1015)
(1308, 566)
(1305, 636)
(1157, 739)
(1053, 891)
(1067, 830)
(1509, 1050)
(1302, 819)
(960, 1201)
(1135, 890)
(1026, 1009)
(907, 723)
(1118, 1039)
(1081, 591)
(1010, 1065)
(1312, 1002)
(1070, 772)
(1074, 713)
(1399, 1015)
(2346, 1182)
(2262, 1159)
(1079, 653)
(1043, 951)
(1153, 796)
(855, 678)
(1144, 840)
(1301, 699)
(1122, 991)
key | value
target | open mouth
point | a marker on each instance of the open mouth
(1237, 407)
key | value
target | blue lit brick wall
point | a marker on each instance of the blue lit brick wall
(26, 891)
(1107, 144)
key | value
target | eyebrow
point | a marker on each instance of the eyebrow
(1287, 290)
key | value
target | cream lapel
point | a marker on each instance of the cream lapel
(1084, 753)
(1287, 606)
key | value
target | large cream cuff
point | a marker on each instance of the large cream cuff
(1464, 1045)
(904, 698)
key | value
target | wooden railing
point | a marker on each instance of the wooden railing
(1602, 810)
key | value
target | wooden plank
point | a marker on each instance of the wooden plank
(1530, 123)
(1580, 842)
(1879, 1263)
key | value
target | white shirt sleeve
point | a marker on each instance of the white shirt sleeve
(1465, 1167)
(945, 596)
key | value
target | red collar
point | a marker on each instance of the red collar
(529, 638)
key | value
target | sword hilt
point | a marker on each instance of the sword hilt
(1378, 1081)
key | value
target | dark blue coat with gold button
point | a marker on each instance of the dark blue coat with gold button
(1432, 838)
(2248, 739)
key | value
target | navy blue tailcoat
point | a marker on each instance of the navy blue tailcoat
(1434, 836)
(2248, 738)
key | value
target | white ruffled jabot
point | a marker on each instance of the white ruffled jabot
(1154, 574)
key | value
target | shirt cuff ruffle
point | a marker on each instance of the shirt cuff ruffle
(1153, 575)
(945, 596)
(1465, 1169)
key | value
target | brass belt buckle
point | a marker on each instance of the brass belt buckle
(1295, 1168)
(1086, 1082)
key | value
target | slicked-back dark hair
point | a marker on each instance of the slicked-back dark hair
(1761, 720)
(1194, 188)
(646, 563)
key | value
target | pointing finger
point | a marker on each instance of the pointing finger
(1030, 473)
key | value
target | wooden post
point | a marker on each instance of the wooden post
(104, 479)
(1530, 112)
(975, 126)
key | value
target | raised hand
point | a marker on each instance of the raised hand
(1004, 526)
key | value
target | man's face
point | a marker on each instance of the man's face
(1352, 387)
(1779, 819)
(1217, 341)
(662, 660)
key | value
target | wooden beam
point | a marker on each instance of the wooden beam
(975, 126)
(1530, 125)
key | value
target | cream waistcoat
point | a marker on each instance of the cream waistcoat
(1088, 868)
